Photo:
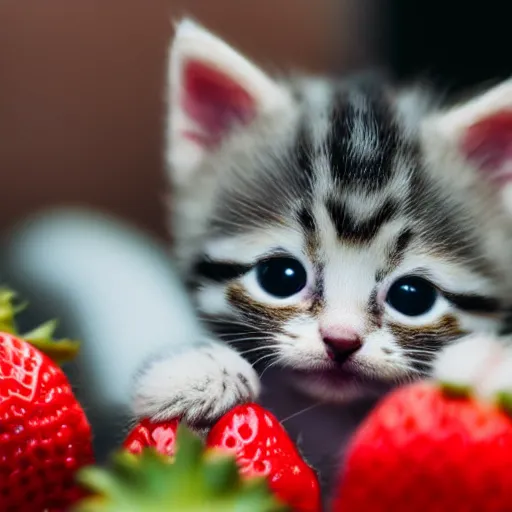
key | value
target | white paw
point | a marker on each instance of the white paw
(482, 362)
(197, 385)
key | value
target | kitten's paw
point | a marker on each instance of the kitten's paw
(482, 362)
(198, 385)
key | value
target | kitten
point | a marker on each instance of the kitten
(344, 229)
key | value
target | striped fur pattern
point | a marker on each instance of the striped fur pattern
(350, 196)
(345, 180)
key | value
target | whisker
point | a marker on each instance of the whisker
(420, 361)
(265, 347)
(411, 373)
(228, 321)
(271, 364)
(410, 368)
(238, 337)
(298, 413)
(262, 358)
(237, 323)
(420, 351)
(243, 318)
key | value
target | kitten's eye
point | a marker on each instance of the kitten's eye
(281, 277)
(412, 296)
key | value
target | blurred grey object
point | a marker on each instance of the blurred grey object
(112, 287)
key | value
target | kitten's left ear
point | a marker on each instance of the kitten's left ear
(480, 133)
(213, 91)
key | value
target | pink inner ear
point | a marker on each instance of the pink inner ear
(214, 101)
(488, 143)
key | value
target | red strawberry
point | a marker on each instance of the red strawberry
(262, 447)
(431, 448)
(44, 434)
(160, 435)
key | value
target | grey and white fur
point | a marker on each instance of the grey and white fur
(344, 229)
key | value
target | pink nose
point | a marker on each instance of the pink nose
(341, 343)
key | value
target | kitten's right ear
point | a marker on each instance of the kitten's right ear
(477, 133)
(213, 90)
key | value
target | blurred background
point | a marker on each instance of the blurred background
(81, 114)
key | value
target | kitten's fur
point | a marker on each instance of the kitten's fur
(361, 183)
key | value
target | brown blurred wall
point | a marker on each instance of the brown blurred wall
(81, 89)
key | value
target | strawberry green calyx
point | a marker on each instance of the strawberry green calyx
(8, 311)
(455, 390)
(194, 480)
(504, 401)
(41, 337)
(60, 351)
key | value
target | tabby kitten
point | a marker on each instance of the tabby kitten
(344, 229)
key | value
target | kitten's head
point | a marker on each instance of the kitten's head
(343, 229)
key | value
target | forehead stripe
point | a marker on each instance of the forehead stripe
(350, 229)
(399, 246)
(303, 151)
(306, 219)
(370, 116)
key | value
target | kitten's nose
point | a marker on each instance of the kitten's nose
(341, 344)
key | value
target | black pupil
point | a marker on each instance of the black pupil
(281, 277)
(412, 296)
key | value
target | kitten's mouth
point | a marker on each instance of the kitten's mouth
(340, 385)
(337, 375)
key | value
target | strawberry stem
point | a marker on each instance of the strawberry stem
(41, 337)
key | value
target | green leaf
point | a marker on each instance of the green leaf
(60, 351)
(196, 481)
(43, 332)
(220, 472)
